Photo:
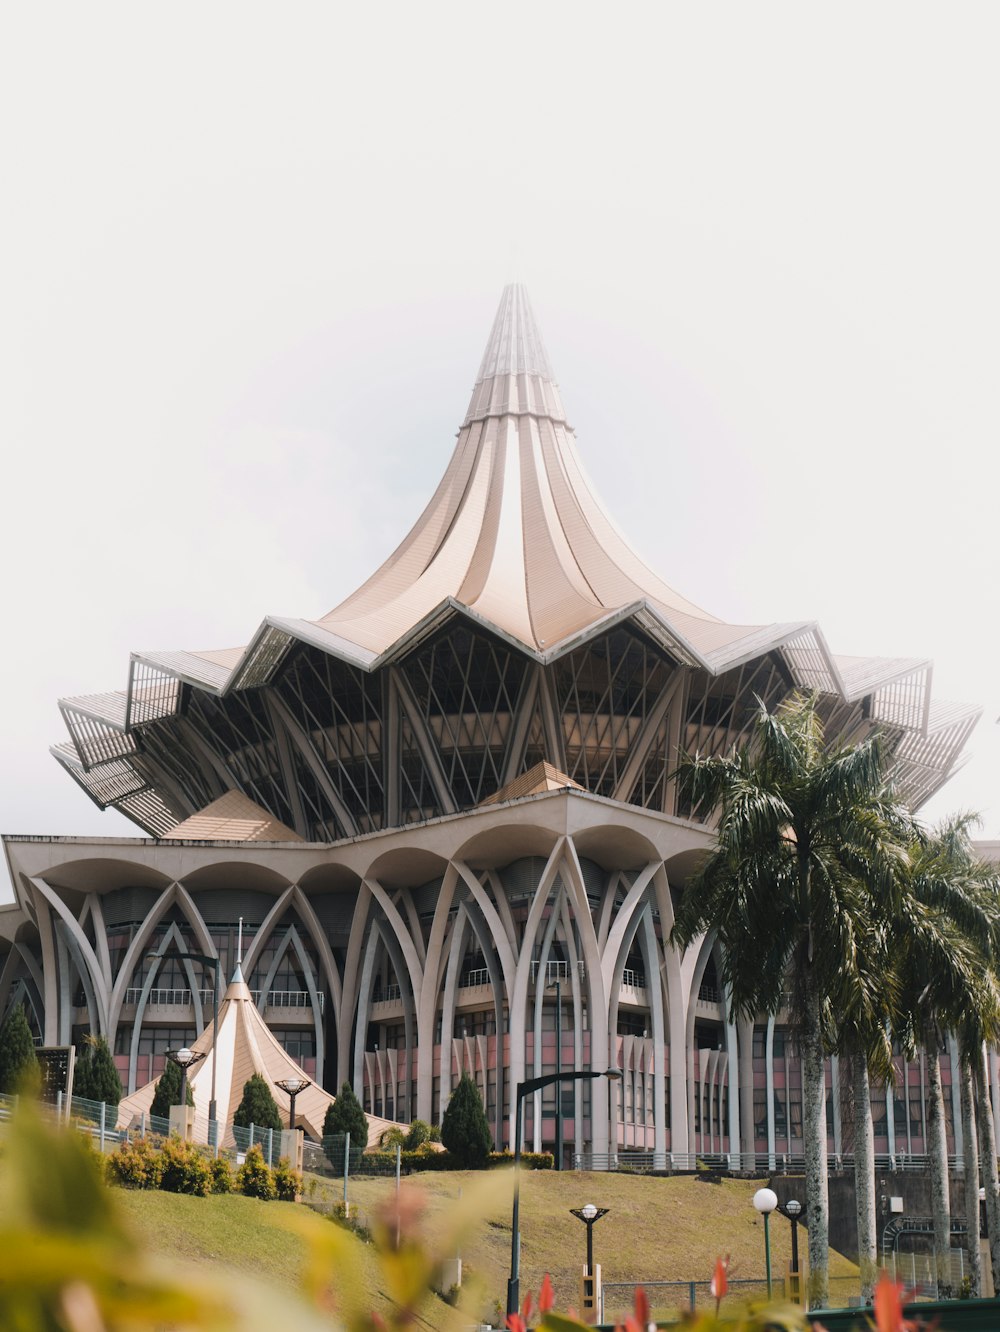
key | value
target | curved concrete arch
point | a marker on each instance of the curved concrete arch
(597, 995)
(538, 1005)
(501, 904)
(456, 951)
(68, 940)
(87, 956)
(293, 942)
(492, 916)
(654, 990)
(351, 991)
(172, 934)
(519, 991)
(293, 898)
(136, 949)
(616, 949)
(414, 970)
(607, 909)
(92, 906)
(434, 963)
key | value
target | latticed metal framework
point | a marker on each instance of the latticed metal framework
(448, 791)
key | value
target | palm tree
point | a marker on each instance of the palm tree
(862, 1034)
(809, 845)
(945, 933)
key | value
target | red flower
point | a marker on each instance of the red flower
(720, 1282)
(515, 1323)
(641, 1306)
(546, 1296)
(888, 1302)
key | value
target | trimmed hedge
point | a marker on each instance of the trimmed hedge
(381, 1163)
(183, 1167)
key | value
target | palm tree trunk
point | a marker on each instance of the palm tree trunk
(814, 1143)
(988, 1151)
(937, 1156)
(864, 1179)
(970, 1160)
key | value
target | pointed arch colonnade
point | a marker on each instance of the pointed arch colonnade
(427, 951)
(420, 953)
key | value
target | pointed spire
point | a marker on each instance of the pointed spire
(515, 377)
(515, 346)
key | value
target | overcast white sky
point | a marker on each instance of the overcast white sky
(250, 255)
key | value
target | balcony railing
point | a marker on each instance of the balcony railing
(633, 980)
(557, 970)
(386, 994)
(181, 998)
(479, 976)
(709, 994)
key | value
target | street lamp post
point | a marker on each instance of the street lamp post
(792, 1209)
(524, 1089)
(766, 1200)
(213, 1129)
(589, 1215)
(292, 1086)
(184, 1058)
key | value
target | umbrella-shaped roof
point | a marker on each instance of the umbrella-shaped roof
(245, 1046)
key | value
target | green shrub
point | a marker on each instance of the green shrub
(168, 1091)
(222, 1175)
(287, 1182)
(95, 1077)
(345, 1115)
(135, 1165)
(464, 1130)
(392, 1138)
(255, 1177)
(420, 1132)
(257, 1106)
(529, 1160)
(185, 1169)
(18, 1062)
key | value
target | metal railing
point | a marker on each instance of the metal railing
(667, 1298)
(480, 976)
(159, 996)
(633, 980)
(558, 970)
(629, 1160)
(709, 994)
(387, 994)
(175, 998)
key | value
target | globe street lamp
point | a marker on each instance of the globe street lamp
(792, 1209)
(184, 1059)
(766, 1200)
(524, 1089)
(589, 1215)
(292, 1086)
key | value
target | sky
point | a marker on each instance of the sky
(250, 256)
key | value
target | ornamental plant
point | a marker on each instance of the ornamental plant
(255, 1178)
(464, 1130)
(258, 1106)
(184, 1169)
(18, 1063)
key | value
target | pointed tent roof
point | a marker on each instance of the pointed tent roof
(542, 777)
(245, 1046)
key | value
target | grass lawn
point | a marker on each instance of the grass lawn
(656, 1229)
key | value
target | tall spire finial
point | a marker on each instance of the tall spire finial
(239, 945)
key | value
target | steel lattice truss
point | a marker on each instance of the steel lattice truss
(512, 626)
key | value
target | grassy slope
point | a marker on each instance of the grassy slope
(667, 1229)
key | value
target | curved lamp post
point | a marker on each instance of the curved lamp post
(766, 1200)
(292, 1086)
(524, 1089)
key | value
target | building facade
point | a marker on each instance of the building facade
(445, 814)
